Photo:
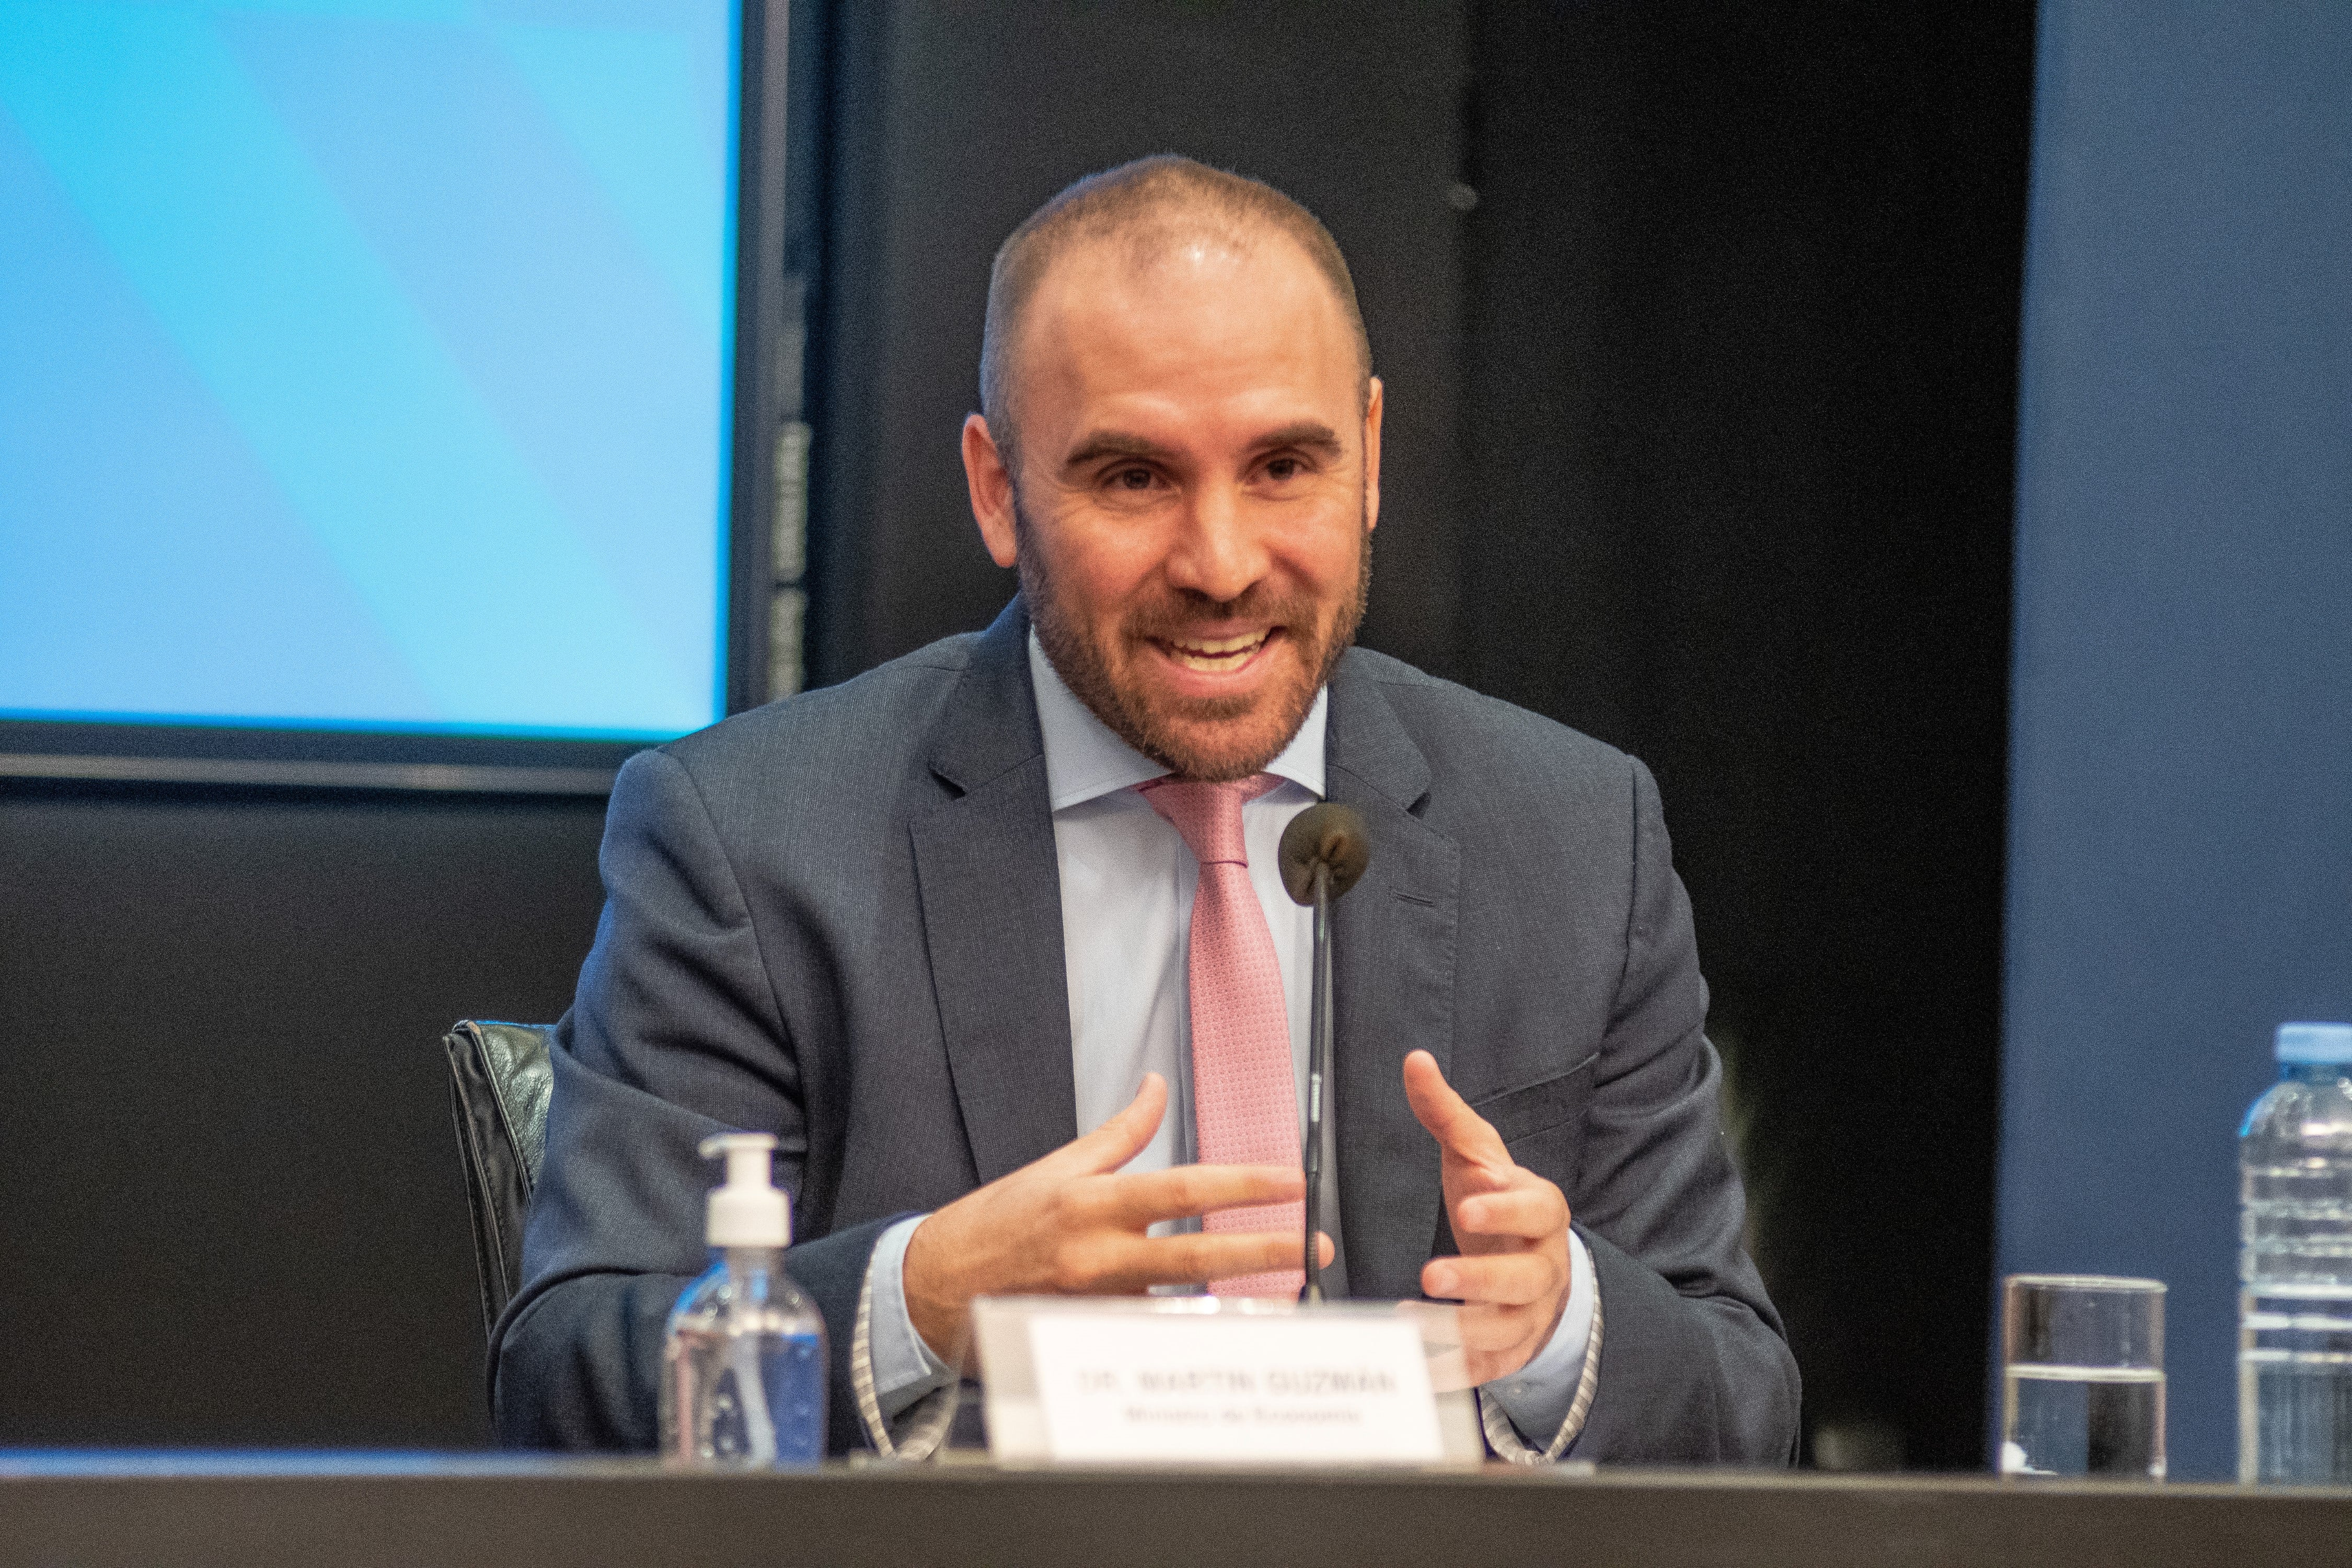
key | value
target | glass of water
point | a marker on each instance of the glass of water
(2082, 1388)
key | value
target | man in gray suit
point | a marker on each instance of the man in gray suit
(952, 932)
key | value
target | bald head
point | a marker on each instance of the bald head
(1146, 210)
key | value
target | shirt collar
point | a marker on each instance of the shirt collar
(1083, 760)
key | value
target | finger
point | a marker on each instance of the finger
(1448, 1115)
(1116, 1141)
(1502, 1278)
(1183, 1191)
(1200, 1258)
(1533, 1210)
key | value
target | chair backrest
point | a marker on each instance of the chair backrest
(500, 1081)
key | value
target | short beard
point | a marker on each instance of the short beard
(1087, 670)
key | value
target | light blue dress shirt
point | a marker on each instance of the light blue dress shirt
(1127, 911)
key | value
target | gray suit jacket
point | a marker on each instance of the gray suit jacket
(838, 917)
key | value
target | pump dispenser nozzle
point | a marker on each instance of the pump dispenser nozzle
(748, 1211)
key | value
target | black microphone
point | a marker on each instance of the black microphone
(1324, 852)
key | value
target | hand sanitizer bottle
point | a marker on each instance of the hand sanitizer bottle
(743, 1371)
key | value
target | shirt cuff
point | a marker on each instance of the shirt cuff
(1537, 1397)
(905, 1370)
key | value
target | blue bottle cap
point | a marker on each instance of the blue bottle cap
(2315, 1042)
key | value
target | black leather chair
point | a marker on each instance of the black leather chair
(500, 1081)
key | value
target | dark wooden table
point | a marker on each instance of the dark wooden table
(357, 1510)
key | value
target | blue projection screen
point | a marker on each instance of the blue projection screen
(365, 365)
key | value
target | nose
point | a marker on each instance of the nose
(1217, 552)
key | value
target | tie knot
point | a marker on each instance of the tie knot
(1208, 815)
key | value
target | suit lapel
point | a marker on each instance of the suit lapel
(992, 902)
(1394, 990)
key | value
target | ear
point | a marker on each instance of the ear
(991, 484)
(1372, 457)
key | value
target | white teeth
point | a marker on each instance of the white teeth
(1223, 645)
(1216, 654)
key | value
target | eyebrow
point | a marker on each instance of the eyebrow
(1100, 444)
(1311, 434)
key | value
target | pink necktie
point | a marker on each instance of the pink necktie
(1244, 1097)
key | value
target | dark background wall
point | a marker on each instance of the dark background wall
(2181, 859)
(1740, 345)
(1698, 324)
(233, 1209)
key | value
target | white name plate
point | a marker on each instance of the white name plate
(1193, 1379)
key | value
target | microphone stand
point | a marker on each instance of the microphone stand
(1319, 1068)
(1324, 852)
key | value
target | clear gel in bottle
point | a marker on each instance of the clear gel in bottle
(743, 1369)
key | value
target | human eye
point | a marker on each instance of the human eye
(1130, 479)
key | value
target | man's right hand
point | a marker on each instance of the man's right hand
(1068, 1225)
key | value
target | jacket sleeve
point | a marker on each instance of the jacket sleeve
(1695, 1366)
(675, 1034)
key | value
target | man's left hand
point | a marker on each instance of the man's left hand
(1512, 1277)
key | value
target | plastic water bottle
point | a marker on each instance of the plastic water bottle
(743, 1368)
(2294, 1312)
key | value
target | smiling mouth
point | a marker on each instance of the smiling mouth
(1215, 656)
